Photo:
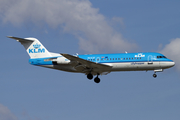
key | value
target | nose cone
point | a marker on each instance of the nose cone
(167, 64)
(172, 64)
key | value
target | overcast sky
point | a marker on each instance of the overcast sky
(89, 26)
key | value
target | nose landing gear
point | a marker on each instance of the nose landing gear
(154, 75)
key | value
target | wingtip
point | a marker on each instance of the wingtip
(9, 36)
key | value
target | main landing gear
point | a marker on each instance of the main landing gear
(96, 79)
(90, 76)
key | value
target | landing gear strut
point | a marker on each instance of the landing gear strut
(96, 79)
(90, 76)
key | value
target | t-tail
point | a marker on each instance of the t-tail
(33, 47)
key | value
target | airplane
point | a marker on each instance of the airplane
(94, 64)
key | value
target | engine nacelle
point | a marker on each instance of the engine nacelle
(61, 60)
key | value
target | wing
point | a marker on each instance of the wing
(88, 65)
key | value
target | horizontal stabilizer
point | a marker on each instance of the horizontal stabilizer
(21, 39)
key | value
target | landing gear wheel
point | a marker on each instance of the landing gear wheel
(154, 75)
(96, 80)
(90, 76)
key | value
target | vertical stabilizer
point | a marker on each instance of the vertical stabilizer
(33, 47)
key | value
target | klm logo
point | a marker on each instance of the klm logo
(37, 49)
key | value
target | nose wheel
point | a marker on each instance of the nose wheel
(154, 75)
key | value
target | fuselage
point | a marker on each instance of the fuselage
(119, 62)
(93, 64)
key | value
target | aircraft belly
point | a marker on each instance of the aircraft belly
(135, 66)
(126, 66)
(67, 68)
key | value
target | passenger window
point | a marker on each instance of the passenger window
(126, 58)
(113, 58)
(116, 59)
(121, 58)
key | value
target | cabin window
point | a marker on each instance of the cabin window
(137, 57)
(129, 58)
(101, 59)
(113, 58)
(134, 58)
(97, 59)
(116, 58)
(121, 58)
(93, 59)
(110, 58)
(126, 58)
(107, 59)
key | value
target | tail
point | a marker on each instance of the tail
(33, 47)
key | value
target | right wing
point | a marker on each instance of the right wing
(88, 65)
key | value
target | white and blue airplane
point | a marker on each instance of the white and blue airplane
(94, 64)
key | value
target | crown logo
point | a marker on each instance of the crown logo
(36, 45)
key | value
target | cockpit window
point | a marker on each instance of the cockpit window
(164, 56)
(161, 57)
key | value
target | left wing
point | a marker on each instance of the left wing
(86, 63)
